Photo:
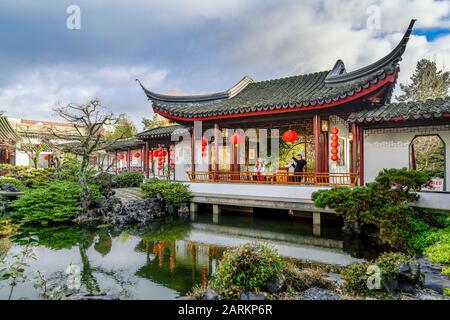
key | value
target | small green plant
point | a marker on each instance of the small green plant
(128, 179)
(247, 267)
(446, 292)
(55, 202)
(446, 271)
(173, 193)
(14, 272)
(355, 276)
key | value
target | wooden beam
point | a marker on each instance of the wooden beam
(146, 161)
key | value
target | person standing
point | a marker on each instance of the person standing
(260, 169)
(299, 165)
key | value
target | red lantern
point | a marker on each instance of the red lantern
(155, 153)
(290, 136)
(204, 154)
(335, 131)
(163, 153)
(237, 139)
(204, 142)
(334, 157)
(137, 155)
(334, 151)
(334, 144)
(334, 137)
(7, 154)
(46, 157)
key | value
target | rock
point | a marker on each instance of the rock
(9, 187)
(410, 272)
(407, 287)
(211, 294)
(275, 283)
(433, 278)
(252, 296)
(316, 293)
(183, 210)
(391, 285)
(335, 278)
(136, 211)
(427, 294)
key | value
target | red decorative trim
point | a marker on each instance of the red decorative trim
(389, 79)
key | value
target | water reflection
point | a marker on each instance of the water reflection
(165, 258)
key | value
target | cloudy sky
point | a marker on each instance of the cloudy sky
(195, 46)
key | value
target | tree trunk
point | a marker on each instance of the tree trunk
(86, 196)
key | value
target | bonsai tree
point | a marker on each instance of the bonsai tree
(89, 136)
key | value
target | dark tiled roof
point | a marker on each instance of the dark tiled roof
(309, 90)
(413, 110)
(126, 143)
(297, 91)
(7, 133)
(160, 132)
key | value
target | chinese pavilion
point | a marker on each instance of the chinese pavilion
(330, 113)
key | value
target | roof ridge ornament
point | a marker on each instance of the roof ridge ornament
(339, 75)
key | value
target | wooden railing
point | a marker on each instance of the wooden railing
(303, 178)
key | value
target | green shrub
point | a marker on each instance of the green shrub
(439, 252)
(355, 276)
(55, 202)
(15, 182)
(390, 263)
(383, 206)
(446, 292)
(31, 177)
(173, 193)
(128, 179)
(446, 271)
(247, 267)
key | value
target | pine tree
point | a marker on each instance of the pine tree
(426, 82)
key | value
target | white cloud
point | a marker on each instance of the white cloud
(33, 93)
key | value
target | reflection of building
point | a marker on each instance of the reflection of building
(178, 265)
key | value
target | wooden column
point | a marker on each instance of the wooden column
(361, 155)
(146, 160)
(317, 145)
(128, 159)
(193, 153)
(216, 146)
(355, 145)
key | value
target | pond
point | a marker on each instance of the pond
(166, 258)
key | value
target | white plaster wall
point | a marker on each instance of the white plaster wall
(22, 158)
(390, 149)
(242, 190)
(182, 160)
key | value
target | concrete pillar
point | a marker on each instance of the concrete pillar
(316, 224)
(316, 218)
(193, 207)
(216, 213)
(316, 230)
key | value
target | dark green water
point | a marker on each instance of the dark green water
(164, 259)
